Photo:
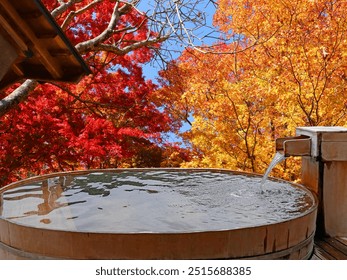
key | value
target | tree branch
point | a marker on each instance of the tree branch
(17, 96)
(86, 46)
(121, 51)
(63, 7)
(72, 14)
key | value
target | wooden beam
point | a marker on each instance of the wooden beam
(8, 58)
(46, 35)
(59, 52)
(31, 14)
(13, 34)
(38, 47)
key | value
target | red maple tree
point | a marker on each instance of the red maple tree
(107, 120)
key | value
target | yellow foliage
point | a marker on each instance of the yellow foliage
(286, 68)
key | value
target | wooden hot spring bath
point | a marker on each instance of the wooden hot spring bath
(156, 214)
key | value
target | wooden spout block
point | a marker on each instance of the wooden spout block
(294, 146)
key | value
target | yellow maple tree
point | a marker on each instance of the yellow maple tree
(285, 68)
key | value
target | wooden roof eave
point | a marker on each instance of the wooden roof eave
(44, 52)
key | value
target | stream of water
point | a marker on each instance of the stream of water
(278, 158)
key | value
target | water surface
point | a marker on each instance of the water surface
(152, 201)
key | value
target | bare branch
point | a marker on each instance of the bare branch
(136, 45)
(178, 21)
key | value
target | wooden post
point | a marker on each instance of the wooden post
(325, 173)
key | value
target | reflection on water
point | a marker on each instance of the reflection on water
(152, 201)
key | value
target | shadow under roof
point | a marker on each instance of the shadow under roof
(34, 47)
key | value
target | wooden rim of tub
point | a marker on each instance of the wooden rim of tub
(289, 239)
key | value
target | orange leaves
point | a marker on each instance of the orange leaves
(307, 47)
(289, 70)
(225, 110)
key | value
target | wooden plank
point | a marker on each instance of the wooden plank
(8, 57)
(315, 258)
(320, 254)
(336, 243)
(46, 35)
(328, 249)
(35, 14)
(343, 240)
(59, 52)
(334, 151)
(10, 31)
(335, 197)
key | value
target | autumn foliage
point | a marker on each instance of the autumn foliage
(285, 68)
(107, 120)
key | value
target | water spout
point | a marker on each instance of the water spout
(294, 146)
(286, 147)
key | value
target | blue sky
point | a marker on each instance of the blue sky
(151, 69)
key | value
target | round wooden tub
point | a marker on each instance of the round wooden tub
(33, 237)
